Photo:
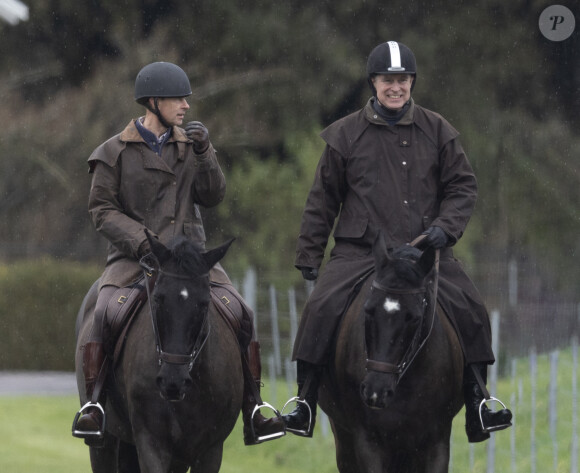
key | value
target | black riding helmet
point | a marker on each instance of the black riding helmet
(161, 79)
(391, 58)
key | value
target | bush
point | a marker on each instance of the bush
(39, 300)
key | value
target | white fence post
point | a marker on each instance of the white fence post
(275, 331)
(553, 403)
(514, 408)
(249, 292)
(533, 377)
(574, 449)
(493, 385)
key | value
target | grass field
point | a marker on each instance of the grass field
(35, 435)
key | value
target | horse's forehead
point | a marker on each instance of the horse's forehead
(391, 305)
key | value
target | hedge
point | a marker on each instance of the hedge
(39, 301)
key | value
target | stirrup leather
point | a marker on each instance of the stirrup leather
(91, 433)
(491, 428)
(272, 436)
(303, 433)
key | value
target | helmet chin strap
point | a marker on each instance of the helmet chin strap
(158, 114)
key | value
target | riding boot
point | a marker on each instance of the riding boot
(479, 419)
(302, 419)
(257, 428)
(89, 423)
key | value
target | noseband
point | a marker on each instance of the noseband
(411, 353)
(163, 356)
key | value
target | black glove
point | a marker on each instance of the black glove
(436, 238)
(310, 274)
(197, 132)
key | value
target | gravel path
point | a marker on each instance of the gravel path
(45, 383)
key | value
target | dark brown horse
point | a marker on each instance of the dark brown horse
(394, 386)
(178, 384)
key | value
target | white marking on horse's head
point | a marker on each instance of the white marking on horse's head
(391, 305)
(184, 294)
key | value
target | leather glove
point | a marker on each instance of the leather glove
(310, 274)
(198, 133)
(436, 237)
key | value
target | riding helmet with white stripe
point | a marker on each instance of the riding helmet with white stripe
(391, 58)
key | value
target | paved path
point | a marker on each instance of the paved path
(45, 383)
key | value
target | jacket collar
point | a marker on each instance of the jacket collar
(131, 135)
(372, 116)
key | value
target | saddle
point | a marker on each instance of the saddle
(126, 302)
(234, 311)
(123, 305)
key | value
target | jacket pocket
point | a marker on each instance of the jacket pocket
(351, 226)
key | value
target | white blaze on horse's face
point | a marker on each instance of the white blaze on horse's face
(184, 294)
(391, 305)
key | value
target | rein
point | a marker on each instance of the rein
(401, 368)
(173, 358)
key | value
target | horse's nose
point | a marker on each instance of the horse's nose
(173, 385)
(376, 396)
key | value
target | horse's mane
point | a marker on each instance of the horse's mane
(405, 264)
(189, 256)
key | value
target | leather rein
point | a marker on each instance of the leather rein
(163, 356)
(411, 353)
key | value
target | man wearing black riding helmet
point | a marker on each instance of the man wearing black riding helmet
(153, 176)
(397, 168)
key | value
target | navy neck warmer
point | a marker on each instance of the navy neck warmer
(392, 117)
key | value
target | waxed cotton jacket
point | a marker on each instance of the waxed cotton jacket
(400, 180)
(134, 188)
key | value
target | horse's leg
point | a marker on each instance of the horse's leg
(437, 455)
(210, 461)
(348, 450)
(154, 453)
(128, 459)
(104, 459)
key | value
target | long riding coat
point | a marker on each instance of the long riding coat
(400, 180)
(134, 188)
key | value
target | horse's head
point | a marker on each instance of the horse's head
(179, 306)
(394, 311)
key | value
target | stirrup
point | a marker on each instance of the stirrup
(492, 428)
(303, 433)
(272, 436)
(84, 434)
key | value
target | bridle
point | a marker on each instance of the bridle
(163, 356)
(416, 345)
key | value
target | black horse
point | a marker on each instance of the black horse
(395, 384)
(178, 383)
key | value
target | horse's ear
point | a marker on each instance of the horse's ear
(161, 252)
(380, 252)
(427, 260)
(211, 257)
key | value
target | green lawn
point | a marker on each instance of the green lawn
(35, 435)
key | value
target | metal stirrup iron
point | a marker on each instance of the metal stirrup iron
(487, 398)
(260, 404)
(90, 433)
(272, 436)
(301, 399)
